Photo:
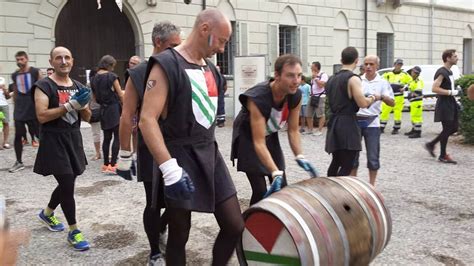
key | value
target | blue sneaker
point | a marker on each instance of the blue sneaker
(51, 222)
(76, 239)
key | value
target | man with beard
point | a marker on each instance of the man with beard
(24, 111)
(266, 108)
(61, 104)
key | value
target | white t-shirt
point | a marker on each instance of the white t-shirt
(378, 86)
(315, 89)
(3, 101)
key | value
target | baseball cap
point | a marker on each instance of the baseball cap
(416, 69)
(398, 61)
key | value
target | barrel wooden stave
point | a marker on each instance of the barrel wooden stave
(362, 218)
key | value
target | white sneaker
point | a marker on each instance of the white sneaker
(163, 240)
(157, 260)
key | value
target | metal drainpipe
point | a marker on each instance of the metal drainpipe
(365, 28)
(203, 4)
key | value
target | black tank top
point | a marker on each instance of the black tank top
(58, 96)
(338, 98)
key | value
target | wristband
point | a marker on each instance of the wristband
(68, 107)
(277, 173)
(125, 153)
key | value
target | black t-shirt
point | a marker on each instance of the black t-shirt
(58, 96)
(446, 108)
(275, 116)
(24, 102)
(102, 87)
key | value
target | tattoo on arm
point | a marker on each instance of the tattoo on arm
(150, 84)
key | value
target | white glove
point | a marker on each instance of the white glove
(453, 92)
(73, 105)
(172, 172)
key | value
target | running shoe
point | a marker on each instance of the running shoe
(430, 148)
(104, 168)
(447, 159)
(35, 143)
(16, 167)
(51, 222)
(76, 239)
(112, 169)
(157, 260)
(6, 146)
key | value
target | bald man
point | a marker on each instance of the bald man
(181, 95)
(61, 103)
(368, 118)
(134, 61)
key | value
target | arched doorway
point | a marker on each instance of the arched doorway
(91, 33)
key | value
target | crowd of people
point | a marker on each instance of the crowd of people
(161, 127)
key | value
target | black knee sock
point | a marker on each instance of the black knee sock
(151, 221)
(65, 189)
(231, 223)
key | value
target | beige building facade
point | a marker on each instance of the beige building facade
(317, 30)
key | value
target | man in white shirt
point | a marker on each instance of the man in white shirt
(368, 118)
(317, 107)
(5, 109)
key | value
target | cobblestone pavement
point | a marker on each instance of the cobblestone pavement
(431, 205)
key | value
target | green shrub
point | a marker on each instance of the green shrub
(467, 115)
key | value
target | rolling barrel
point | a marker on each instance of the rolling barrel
(320, 221)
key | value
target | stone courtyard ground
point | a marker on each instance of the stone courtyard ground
(431, 205)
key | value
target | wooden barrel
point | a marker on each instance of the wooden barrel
(320, 221)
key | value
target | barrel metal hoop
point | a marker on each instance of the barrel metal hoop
(379, 205)
(319, 223)
(335, 218)
(367, 212)
(307, 231)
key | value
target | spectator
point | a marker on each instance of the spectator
(316, 106)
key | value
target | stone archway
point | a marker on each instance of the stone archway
(91, 33)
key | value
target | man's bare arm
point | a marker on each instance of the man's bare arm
(355, 89)
(154, 103)
(41, 106)
(258, 126)
(118, 90)
(437, 86)
(86, 114)
(129, 110)
(294, 136)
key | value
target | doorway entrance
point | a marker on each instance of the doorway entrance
(91, 33)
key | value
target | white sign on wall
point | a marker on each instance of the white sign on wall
(248, 71)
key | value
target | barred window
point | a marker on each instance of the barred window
(288, 44)
(224, 60)
(385, 49)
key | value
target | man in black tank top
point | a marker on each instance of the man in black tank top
(446, 110)
(266, 108)
(345, 96)
(24, 112)
(178, 120)
(61, 103)
(164, 35)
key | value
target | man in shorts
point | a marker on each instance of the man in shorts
(317, 108)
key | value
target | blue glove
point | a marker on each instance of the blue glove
(307, 166)
(178, 184)
(79, 100)
(125, 164)
(181, 190)
(276, 184)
